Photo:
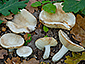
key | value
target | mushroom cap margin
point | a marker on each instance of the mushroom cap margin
(65, 40)
(24, 51)
(11, 41)
(41, 42)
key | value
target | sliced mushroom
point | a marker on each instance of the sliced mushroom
(45, 42)
(58, 20)
(24, 51)
(11, 41)
(22, 22)
(67, 45)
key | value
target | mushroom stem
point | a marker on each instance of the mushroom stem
(47, 52)
(60, 54)
(10, 50)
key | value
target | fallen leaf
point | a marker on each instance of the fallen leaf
(4, 18)
(31, 61)
(3, 52)
(30, 8)
(79, 29)
(8, 61)
(14, 60)
(75, 59)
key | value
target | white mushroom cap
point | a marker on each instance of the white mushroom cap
(24, 51)
(58, 20)
(45, 42)
(42, 42)
(65, 40)
(22, 22)
(11, 41)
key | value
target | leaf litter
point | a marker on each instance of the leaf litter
(38, 33)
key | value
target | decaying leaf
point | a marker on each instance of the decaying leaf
(14, 60)
(75, 59)
(79, 29)
(31, 61)
(4, 18)
(28, 38)
(29, 7)
(8, 61)
(3, 52)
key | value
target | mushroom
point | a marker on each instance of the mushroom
(67, 45)
(24, 51)
(45, 42)
(60, 19)
(22, 22)
(11, 41)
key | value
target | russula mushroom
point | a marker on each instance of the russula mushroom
(45, 42)
(67, 45)
(22, 22)
(11, 41)
(24, 51)
(60, 19)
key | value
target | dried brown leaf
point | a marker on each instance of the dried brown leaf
(29, 7)
(31, 61)
(26, 36)
(14, 60)
(79, 29)
(8, 61)
(3, 52)
(4, 18)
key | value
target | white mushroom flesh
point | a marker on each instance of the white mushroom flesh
(65, 40)
(47, 52)
(58, 20)
(24, 51)
(60, 54)
(11, 41)
(23, 22)
(45, 42)
(67, 45)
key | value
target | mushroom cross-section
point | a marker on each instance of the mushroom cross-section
(67, 45)
(11, 41)
(24, 51)
(45, 42)
(22, 22)
(60, 19)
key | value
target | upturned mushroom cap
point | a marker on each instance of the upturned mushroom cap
(22, 22)
(42, 42)
(58, 20)
(24, 51)
(11, 41)
(65, 40)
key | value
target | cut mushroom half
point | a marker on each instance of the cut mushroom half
(67, 45)
(24, 51)
(45, 42)
(11, 41)
(22, 22)
(58, 20)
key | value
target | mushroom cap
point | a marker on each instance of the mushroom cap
(42, 42)
(58, 20)
(24, 51)
(22, 22)
(11, 41)
(65, 40)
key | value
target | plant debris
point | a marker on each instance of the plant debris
(31, 61)
(79, 29)
(14, 60)
(2, 53)
(76, 58)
